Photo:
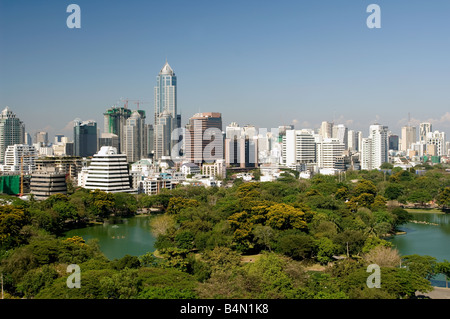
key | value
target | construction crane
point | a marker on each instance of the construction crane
(127, 100)
(139, 103)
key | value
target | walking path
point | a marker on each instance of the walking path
(437, 293)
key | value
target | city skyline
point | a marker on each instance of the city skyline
(265, 64)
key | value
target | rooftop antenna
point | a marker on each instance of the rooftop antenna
(409, 119)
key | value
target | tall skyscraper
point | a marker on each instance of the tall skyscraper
(115, 120)
(12, 131)
(85, 138)
(375, 148)
(204, 138)
(408, 137)
(424, 129)
(166, 107)
(135, 137)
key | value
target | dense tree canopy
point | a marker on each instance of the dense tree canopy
(251, 240)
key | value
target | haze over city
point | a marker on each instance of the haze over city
(261, 63)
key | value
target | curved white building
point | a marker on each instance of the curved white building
(108, 172)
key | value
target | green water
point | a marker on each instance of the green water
(425, 239)
(131, 236)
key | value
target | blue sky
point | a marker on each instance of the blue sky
(266, 63)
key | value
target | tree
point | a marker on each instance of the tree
(393, 191)
(296, 245)
(401, 216)
(12, 220)
(325, 250)
(283, 216)
(424, 266)
(419, 196)
(383, 256)
(37, 279)
(162, 224)
(264, 235)
(365, 187)
(444, 198)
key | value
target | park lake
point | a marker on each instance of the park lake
(128, 236)
(428, 234)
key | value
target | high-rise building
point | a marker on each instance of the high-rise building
(204, 138)
(241, 151)
(108, 139)
(166, 106)
(28, 139)
(393, 142)
(326, 129)
(41, 138)
(438, 139)
(329, 151)
(408, 137)
(12, 131)
(19, 158)
(424, 129)
(115, 119)
(108, 172)
(374, 150)
(299, 147)
(85, 138)
(341, 133)
(135, 146)
(150, 140)
(162, 134)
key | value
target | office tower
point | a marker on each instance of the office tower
(341, 133)
(41, 138)
(28, 139)
(150, 140)
(12, 131)
(424, 129)
(114, 122)
(329, 150)
(326, 129)
(352, 141)
(204, 138)
(241, 151)
(233, 130)
(299, 147)
(393, 142)
(162, 133)
(166, 106)
(85, 138)
(438, 139)
(108, 139)
(108, 172)
(374, 150)
(408, 137)
(19, 158)
(135, 137)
